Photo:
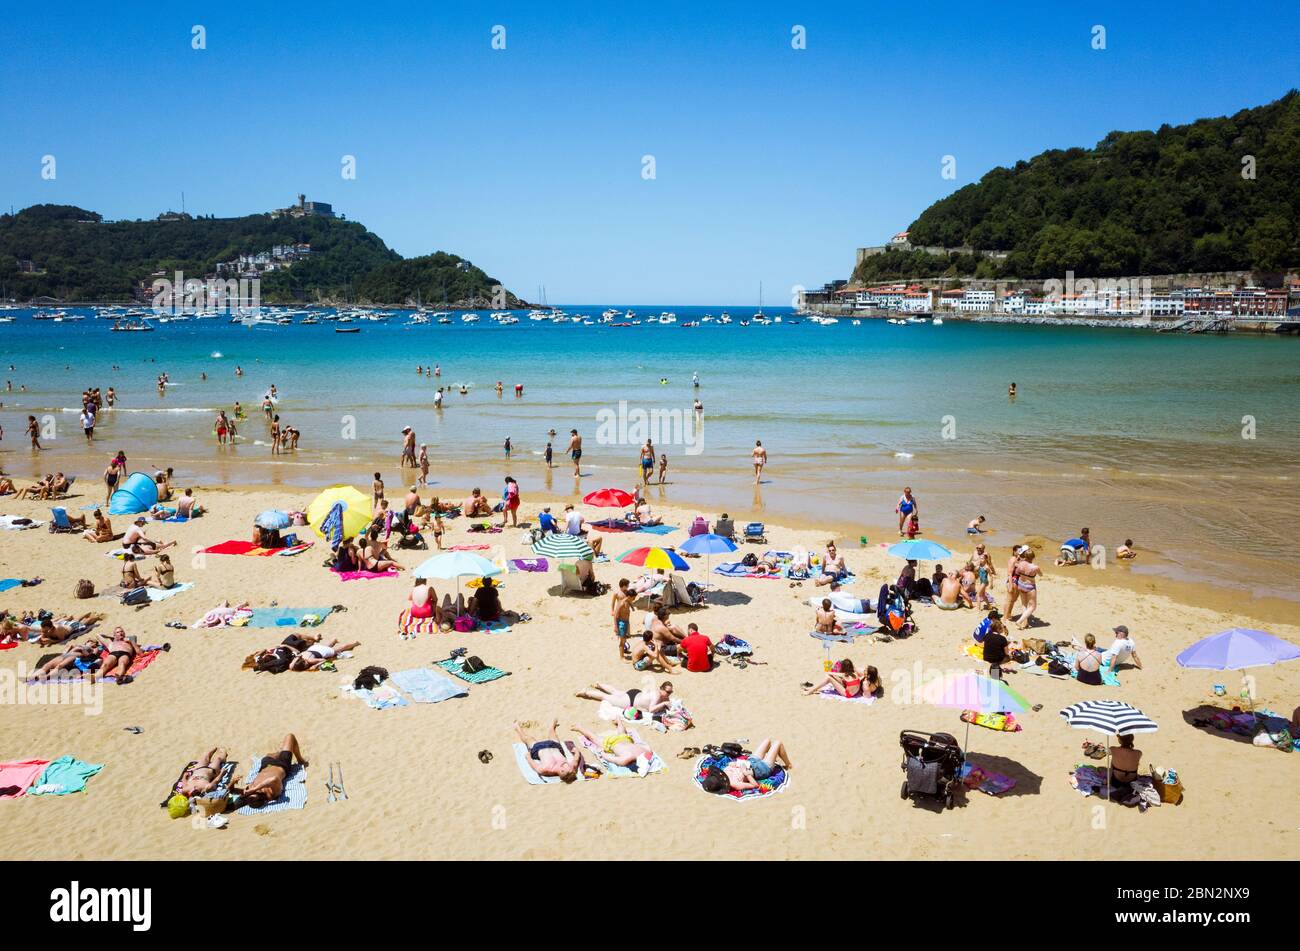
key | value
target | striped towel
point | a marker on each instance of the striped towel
(486, 675)
(293, 797)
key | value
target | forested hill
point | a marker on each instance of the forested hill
(76, 256)
(1213, 195)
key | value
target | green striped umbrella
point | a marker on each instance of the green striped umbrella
(564, 547)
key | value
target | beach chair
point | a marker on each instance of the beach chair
(570, 583)
(678, 593)
(725, 527)
(756, 532)
(60, 523)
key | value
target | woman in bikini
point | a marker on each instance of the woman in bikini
(647, 701)
(1027, 575)
(1124, 761)
(848, 682)
(164, 576)
(131, 578)
(317, 653)
(748, 772)
(550, 757)
(203, 776)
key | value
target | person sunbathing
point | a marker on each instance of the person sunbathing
(826, 621)
(60, 486)
(57, 631)
(38, 490)
(187, 506)
(103, 530)
(75, 521)
(949, 593)
(616, 747)
(647, 581)
(647, 701)
(84, 657)
(317, 653)
(550, 757)
(268, 784)
(424, 601)
(205, 775)
(1124, 760)
(122, 652)
(164, 576)
(848, 682)
(748, 772)
(375, 556)
(833, 567)
(7, 486)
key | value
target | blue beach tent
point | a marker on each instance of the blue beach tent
(139, 493)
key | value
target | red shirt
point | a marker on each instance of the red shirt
(696, 647)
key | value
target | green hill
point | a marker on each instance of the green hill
(1160, 202)
(78, 256)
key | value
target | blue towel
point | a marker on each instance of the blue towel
(283, 617)
(293, 797)
(425, 686)
(67, 773)
(657, 529)
(8, 583)
(845, 638)
(732, 569)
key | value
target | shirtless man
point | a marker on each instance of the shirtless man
(412, 501)
(620, 607)
(56, 632)
(272, 771)
(826, 622)
(550, 757)
(647, 461)
(476, 505)
(121, 655)
(575, 451)
(139, 543)
(666, 635)
(759, 457)
(408, 448)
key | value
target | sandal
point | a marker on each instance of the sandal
(485, 756)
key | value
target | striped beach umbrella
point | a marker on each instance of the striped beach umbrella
(608, 499)
(652, 557)
(1109, 717)
(564, 547)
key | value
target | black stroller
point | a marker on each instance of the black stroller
(932, 762)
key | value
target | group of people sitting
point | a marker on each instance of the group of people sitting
(484, 605)
(55, 485)
(365, 552)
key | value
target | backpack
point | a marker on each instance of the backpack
(473, 665)
(1058, 669)
(750, 560)
(136, 596)
(369, 678)
(85, 589)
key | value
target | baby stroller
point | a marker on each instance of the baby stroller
(931, 762)
(894, 612)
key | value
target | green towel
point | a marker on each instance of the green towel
(452, 666)
(66, 773)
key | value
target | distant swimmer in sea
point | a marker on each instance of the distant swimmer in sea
(1011, 391)
(699, 409)
(663, 381)
(437, 369)
(759, 456)
(695, 379)
(239, 371)
(975, 526)
(500, 388)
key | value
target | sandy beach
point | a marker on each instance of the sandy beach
(417, 788)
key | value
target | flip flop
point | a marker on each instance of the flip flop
(133, 729)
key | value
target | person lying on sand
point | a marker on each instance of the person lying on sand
(122, 652)
(103, 530)
(617, 747)
(203, 776)
(83, 657)
(826, 622)
(747, 772)
(56, 631)
(272, 771)
(317, 653)
(848, 682)
(550, 757)
(647, 701)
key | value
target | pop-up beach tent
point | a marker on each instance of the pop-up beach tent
(138, 493)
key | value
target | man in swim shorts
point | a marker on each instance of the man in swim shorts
(575, 451)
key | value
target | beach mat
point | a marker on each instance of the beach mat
(519, 564)
(162, 594)
(774, 784)
(830, 693)
(985, 780)
(486, 675)
(656, 765)
(7, 583)
(224, 779)
(293, 797)
(383, 697)
(363, 575)
(234, 547)
(283, 617)
(424, 686)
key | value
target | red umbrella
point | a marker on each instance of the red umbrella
(608, 499)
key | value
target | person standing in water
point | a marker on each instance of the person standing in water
(906, 507)
(575, 451)
(759, 457)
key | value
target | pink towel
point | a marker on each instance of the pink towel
(21, 774)
(469, 548)
(360, 575)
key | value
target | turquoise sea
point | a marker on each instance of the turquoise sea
(1187, 444)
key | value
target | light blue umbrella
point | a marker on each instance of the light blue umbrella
(273, 520)
(707, 544)
(457, 564)
(919, 549)
(1236, 649)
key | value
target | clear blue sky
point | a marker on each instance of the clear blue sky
(773, 164)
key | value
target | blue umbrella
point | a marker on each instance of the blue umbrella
(707, 544)
(273, 520)
(919, 550)
(457, 564)
(1236, 649)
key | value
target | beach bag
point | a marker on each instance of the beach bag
(1036, 644)
(733, 750)
(1057, 669)
(750, 560)
(473, 665)
(84, 589)
(136, 596)
(464, 624)
(370, 678)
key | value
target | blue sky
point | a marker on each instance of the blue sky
(772, 164)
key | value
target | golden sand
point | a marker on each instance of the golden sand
(418, 789)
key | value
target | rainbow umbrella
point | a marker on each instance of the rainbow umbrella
(967, 690)
(652, 557)
(608, 499)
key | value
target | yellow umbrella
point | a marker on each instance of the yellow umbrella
(356, 509)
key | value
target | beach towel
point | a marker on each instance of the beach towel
(1001, 722)
(985, 780)
(530, 775)
(643, 767)
(10, 523)
(453, 666)
(293, 797)
(162, 594)
(18, 776)
(519, 564)
(425, 686)
(408, 626)
(1108, 678)
(7, 583)
(142, 660)
(63, 776)
(222, 789)
(841, 615)
(735, 569)
(845, 638)
(363, 575)
(778, 781)
(493, 627)
(380, 698)
(656, 529)
(234, 547)
(469, 548)
(284, 617)
(830, 693)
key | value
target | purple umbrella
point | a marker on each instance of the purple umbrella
(1237, 649)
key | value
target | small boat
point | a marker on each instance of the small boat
(938, 321)
(347, 330)
(127, 325)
